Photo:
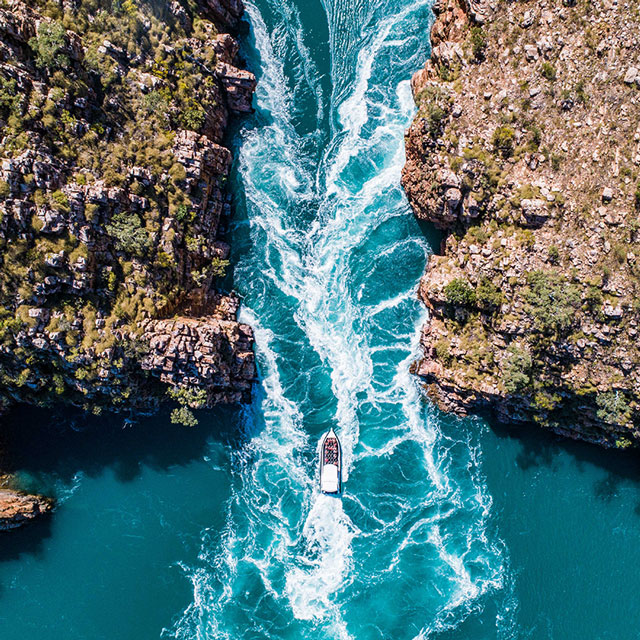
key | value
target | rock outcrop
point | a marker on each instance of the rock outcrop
(113, 201)
(212, 352)
(526, 151)
(18, 509)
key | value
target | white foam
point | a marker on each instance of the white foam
(319, 574)
(307, 565)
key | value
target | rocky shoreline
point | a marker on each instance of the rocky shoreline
(526, 152)
(18, 509)
(113, 205)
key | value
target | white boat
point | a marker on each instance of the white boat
(330, 463)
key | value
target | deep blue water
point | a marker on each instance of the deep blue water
(447, 528)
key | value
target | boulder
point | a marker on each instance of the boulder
(224, 12)
(239, 86)
(534, 212)
(631, 75)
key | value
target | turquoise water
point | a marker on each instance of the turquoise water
(446, 529)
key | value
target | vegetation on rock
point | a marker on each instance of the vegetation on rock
(526, 151)
(112, 201)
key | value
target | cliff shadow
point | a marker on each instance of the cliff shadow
(433, 235)
(56, 444)
(27, 540)
(540, 447)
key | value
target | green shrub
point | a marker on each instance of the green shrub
(504, 140)
(593, 298)
(613, 407)
(177, 172)
(488, 296)
(91, 211)
(548, 71)
(581, 93)
(637, 197)
(536, 137)
(478, 43)
(49, 46)
(192, 118)
(517, 369)
(156, 103)
(434, 102)
(218, 267)
(460, 293)
(5, 190)
(478, 234)
(620, 252)
(551, 301)
(183, 214)
(553, 254)
(10, 99)
(59, 201)
(546, 401)
(443, 352)
(112, 280)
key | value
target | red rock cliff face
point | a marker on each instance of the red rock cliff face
(526, 151)
(113, 201)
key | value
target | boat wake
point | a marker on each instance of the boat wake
(329, 259)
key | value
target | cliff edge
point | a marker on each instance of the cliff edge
(526, 151)
(113, 198)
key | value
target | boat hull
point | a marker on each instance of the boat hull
(330, 460)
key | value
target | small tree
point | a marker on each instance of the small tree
(187, 397)
(517, 369)
(460, 293)
(49, 46)
(184, 416)
(551, 301)
(613, 407)
(129, 234)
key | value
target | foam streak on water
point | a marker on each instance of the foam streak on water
(329, 271)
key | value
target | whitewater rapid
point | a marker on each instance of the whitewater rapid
(328, 274)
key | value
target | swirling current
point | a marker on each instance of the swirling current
(329, 273)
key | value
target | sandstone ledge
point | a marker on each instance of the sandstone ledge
(18, 509)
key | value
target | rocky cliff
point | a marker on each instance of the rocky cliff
(526, 151)
(112, 203)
